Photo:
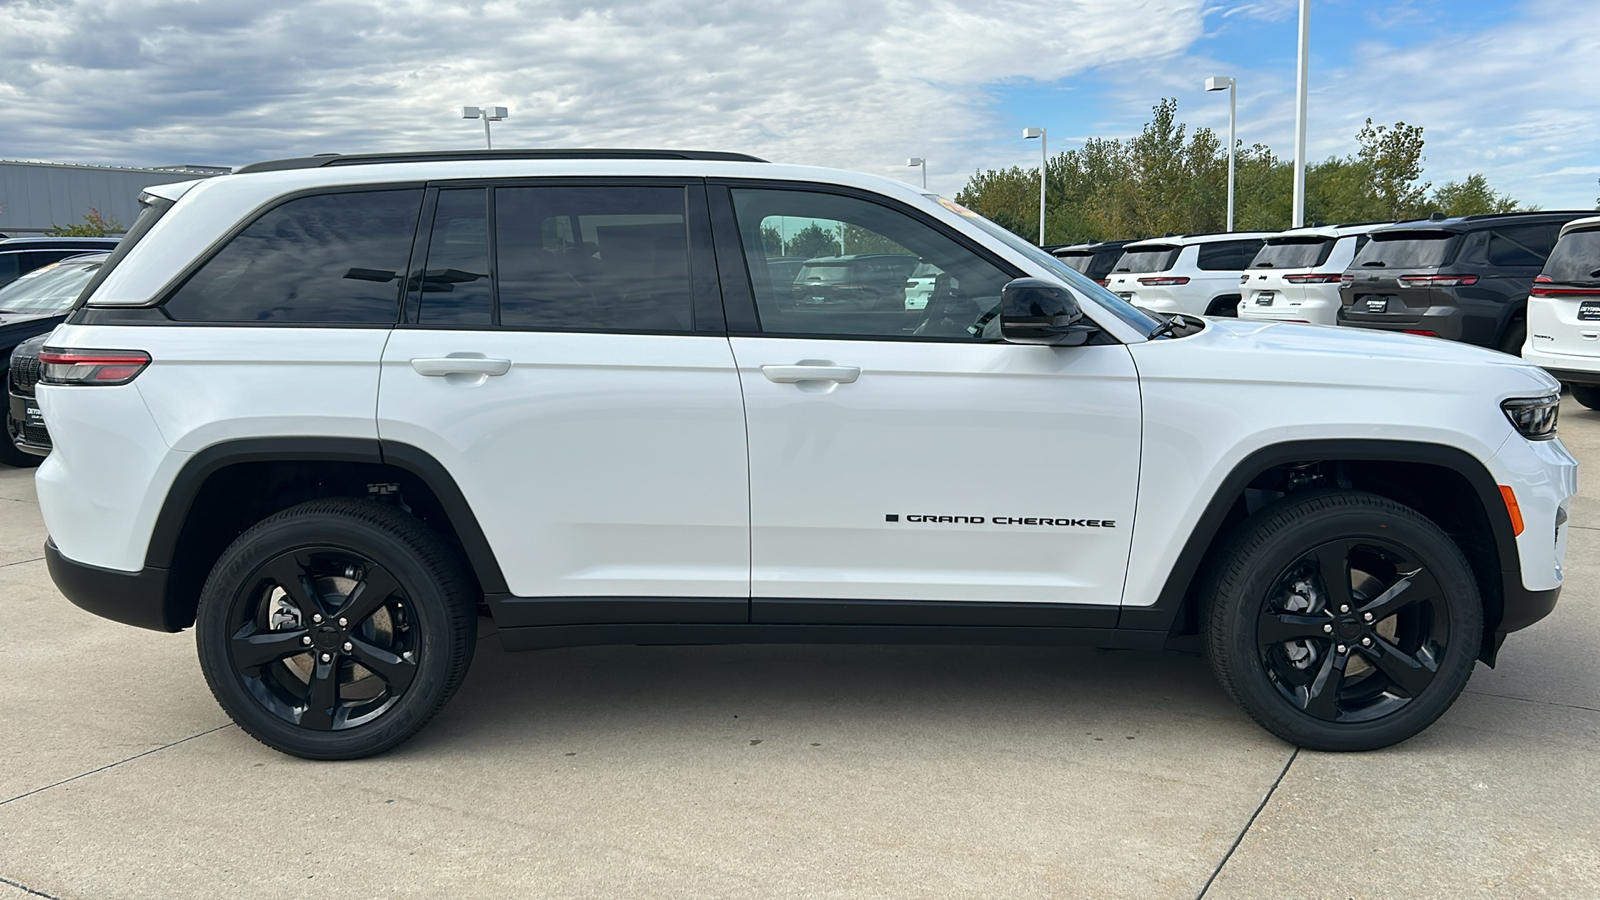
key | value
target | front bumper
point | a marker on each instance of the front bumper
(133, 598)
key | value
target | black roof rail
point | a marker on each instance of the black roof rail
(1358, 224)
(372, 159)
(1530, 212)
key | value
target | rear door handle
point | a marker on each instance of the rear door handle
(803, 372)
(461, 365)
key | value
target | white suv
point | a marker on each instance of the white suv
(1295, 277)
(329, 410)
(1564, 312)
(1197, 274)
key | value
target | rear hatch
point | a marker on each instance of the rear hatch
(1395, 278)
(1137, 276)
(1564, 305)
(1277, 277)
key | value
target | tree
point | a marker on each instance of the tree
(771, 241)
(813, 241)
(863, 240)
(93, 225)
(1393, 157)
(1470, 198)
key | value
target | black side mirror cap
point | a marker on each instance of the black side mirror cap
(1036, 311)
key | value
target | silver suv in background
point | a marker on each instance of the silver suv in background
(1295, 276)
(1196, 274)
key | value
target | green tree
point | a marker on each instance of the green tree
(1470, 198)
(1393, 157)
(862, 240)
(93, 225)
(771, 241)
(813, 241)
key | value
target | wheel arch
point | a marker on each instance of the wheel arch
(227, 487)
(1427, 477)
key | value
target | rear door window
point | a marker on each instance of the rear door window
(322, 259)
(577, 258)
(1227, 256)
(1407, 250)
(1293, 253)
(1148, 259)
(1576, 259)
(1521, 245)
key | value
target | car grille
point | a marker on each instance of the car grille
(36, 435)
(24, 375)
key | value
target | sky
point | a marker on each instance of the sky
(1502, 87)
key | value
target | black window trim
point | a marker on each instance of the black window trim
(738, 289)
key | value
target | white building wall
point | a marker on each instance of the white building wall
(36, 196)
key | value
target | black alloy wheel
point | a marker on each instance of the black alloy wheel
(335, 629)
(1342, 620)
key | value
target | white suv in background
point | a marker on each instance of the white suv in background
(1196, 274)
(1564, 312)
(329, 411)
(1295, 277)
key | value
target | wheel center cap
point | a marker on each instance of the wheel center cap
(1348, 629)
(327, 637)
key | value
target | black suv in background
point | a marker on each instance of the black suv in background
(1466, 279)
(1095, 259)
(875, 281)
(19, 256)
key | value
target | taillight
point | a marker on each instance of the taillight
(91, 366)
(1438, 280)
(1539, 289)
(1347, 281)
(1165, 281)
(1422, 333)
(1245, 278)
(1103, 282)
(1316, 279)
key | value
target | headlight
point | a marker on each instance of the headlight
(1534, 417)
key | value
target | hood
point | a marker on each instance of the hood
(22, 318)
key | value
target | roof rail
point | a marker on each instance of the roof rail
(1529, 212)
(371, 159)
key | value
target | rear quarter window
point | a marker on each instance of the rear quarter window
(1523, 246)
(327, 258)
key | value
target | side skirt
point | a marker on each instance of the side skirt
(548, 636)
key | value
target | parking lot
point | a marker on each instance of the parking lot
(789, 771)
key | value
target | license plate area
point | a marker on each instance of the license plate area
(1373, 303)
(1589, 311)
(1264, 298)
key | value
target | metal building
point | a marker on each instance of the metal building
(38, 196)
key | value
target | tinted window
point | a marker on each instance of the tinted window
(8, 267)
(1225, 256)
(1407, 250)
(47, 289)
(1576, 259)
(1296, 253)
(455, 283)
(1148, 259)
(875, 248)
(1521, 245)
(593, 258)
(325, 258)
(1078, 260)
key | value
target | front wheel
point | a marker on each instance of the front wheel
(1587, 394)
(335, 629)
(1342, 620)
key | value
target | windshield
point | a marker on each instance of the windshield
(812, 273)
(1076, 260)
(1293, 253)
(1113, 304)
(1576, 259)
(48, 289)
(1407, 250)
(1147, 259)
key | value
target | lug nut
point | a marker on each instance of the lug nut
(1344, 607)
(1342, 648)
(1366, 642)
(343, 622)
(306, 640)
(316, 617)
(348, 646)
(328, 657)
(1367, 616)
(1328, 629)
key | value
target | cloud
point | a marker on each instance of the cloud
(833, 82)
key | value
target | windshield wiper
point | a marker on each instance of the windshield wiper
(1166, 327)
(1376, 262)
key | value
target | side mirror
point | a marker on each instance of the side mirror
(1036, 311)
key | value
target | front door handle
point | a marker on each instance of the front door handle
(461, 365)
(806, 372)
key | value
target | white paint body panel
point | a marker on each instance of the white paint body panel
(599, 465)
(1193, 298)
(1315, 304)
(941, 429)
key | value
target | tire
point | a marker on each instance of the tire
(1587, 394)
(1399, 671)
(360, 687)
(1515, 336)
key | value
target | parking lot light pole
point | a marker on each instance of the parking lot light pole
(919, 161)
(1231, 85)
(1302, 79)
(1029, 134)
(487, 114)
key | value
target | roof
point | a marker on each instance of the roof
(1093, 245)
(56, 243)
(1206, 238)
(355, 159)
(1474, 223)
(1583, 224)
(1329, 231)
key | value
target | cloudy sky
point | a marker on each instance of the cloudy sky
(1503, 87)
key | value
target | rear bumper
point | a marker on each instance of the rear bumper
(1565, 367)
(132, 598)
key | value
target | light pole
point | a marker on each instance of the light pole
(919, 161)
(487, 114)
(1231, 85)
(1029, 134)
(1302, 79)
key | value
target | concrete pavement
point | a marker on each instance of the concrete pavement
(789, 772)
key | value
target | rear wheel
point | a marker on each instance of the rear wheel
(335, 629)
(1587, 394)
(1343, 620)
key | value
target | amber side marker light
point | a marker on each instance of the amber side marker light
(1514, 511)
